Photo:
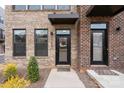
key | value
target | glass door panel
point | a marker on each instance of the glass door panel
(63, 49)
(97, 46)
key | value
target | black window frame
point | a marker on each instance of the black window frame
(35, 51)
(14, 7)
(14, 54)
(1, 20)
(43, 7)
(106, 52)
(2, 34)
(98, 24)
(34, 9)
(63, 9)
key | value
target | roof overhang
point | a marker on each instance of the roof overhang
(63, 18)
(104, 10)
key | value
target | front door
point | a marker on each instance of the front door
(99, 47)
(63, 47)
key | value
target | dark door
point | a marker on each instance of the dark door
(99, 47)
(63, 47)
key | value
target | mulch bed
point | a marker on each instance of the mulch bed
(1, 77)
(120, 70)
(44, 73)
(87, 81)
(105, 72)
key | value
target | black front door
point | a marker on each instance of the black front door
(99, 47)
(63, 47)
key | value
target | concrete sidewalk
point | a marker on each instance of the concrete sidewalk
(62, 79)
(108, 81)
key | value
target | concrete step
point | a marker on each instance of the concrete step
(101, 67)
(63, 67)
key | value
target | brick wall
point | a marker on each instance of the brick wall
(115, 39)
(80, 36)
(31, 20)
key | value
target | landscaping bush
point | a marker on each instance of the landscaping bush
(33, 70)
(15, 82)
(10, 70)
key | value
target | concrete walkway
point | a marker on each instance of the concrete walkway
(108, 81)
(63, 79)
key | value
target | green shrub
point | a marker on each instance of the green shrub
(33, 70)
(15, 82)
(10, 70)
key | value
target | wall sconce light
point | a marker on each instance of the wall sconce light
(118, 28)
(54, 12)
(51, 33)
(71, 12)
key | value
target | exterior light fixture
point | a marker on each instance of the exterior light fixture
(118, 28)
(51, 33)
(54, 13)
(71, 12)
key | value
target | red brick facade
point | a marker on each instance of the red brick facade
(116, 41)
(115, 38)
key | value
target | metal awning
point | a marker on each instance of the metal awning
(63, 18)
(104, 10)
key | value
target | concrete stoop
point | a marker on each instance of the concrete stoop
(108, 81)
(63, 67)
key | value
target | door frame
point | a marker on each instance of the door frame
(104, 46)
(68, 50)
